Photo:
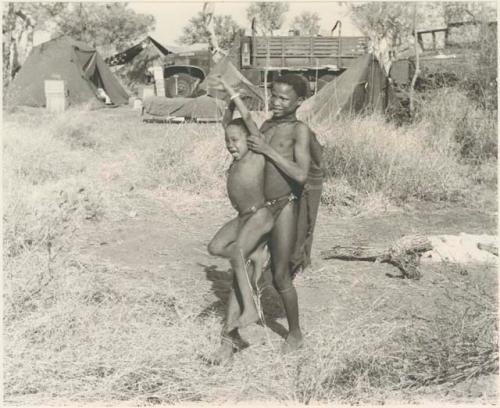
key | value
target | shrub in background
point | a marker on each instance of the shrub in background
(452, 120)
(372, 156)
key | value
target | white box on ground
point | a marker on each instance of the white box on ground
(147, 91)
(137, 104)
(55, 95)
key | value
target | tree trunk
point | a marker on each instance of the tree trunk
(18, 41)
(266, 72)
(417, 63)
(8, 42)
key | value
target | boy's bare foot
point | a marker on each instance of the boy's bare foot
(222, 355)
(230, 344)
(292, 343)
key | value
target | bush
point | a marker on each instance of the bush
(452, 120)
(373, 156)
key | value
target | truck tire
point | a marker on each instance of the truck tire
(323, 80)
(179, 85)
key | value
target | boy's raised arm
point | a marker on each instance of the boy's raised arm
(228, 114)
(240, 105)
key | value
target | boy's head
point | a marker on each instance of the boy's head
(236, 138)
(287, 93)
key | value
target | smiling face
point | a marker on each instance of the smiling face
(236, 141)
(284, 99)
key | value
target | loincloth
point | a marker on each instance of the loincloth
(248, 212)
(276, 205)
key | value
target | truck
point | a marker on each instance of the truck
(260, 59)
(318, 58)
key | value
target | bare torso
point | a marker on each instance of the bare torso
(245, 182)
(282, 139)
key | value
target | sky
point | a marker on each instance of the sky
(172, 16)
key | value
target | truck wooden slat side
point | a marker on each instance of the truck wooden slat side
(319, 59)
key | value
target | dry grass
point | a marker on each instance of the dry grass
(456, 126)
(395, 350)
(446, 151)
(374, 156)
(80, 329)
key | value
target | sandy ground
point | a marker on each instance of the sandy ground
(169, 238)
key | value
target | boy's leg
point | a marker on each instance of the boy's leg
(230, 339)
(249, 237)
(282, 244)
(220, 244)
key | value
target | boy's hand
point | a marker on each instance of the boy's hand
(216, 82)
(258, 145)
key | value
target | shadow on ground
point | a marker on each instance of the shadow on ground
(221, 287)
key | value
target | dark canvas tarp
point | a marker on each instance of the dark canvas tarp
(202, 107)
(360, 88)
(252, 95)
(131, 53)
(79, 65)
(132, 65)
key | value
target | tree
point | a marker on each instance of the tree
(20, 20)
(469, 11)
(269, 15)
(196, 30)
(307, 23)
(106, 26)
(390, 24)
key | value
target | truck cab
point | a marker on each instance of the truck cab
(184, 69)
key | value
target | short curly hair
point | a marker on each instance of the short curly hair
(239, 122)
(297, 82)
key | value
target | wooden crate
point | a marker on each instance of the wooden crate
(55, 95)
(147, 91)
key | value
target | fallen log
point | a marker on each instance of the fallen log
(404, 254)
(491, 248)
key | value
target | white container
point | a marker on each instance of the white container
(137, 104)
(55, 95)
(147, 91)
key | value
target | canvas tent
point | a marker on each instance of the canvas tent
(362, 87)
(78, 64)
